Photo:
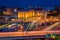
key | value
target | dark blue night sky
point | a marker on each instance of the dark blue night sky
(26, 3)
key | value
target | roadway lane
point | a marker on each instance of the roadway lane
(30, 33)
(22, 37)
(52, 26)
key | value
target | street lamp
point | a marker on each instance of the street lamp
(15, 13)
(15, 10)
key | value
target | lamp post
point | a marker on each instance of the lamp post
(45, 15)
(15, 13)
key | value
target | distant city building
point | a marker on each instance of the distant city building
(8, 11)
(29, 13)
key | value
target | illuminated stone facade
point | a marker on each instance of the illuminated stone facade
(28, 14)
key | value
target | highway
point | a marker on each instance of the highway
(27, 33)
(52, 26)
(32, 33)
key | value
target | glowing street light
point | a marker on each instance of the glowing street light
(15, 10)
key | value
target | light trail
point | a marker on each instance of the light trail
(29, 33)
(52, 26)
